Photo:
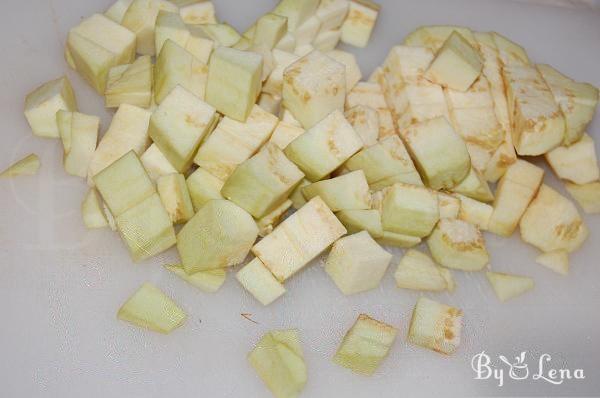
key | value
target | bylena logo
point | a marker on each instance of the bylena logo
(519, 369)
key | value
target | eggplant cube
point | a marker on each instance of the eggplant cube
(313, 87)
(436, 326)
(179, 125)
(27, 166)
(274, 84)
(332, 14)
(365, 121)
(577, 163)
(410, 210)
(457, 65)
(140, 18)
(96, 45)
(146, 229)
(362, 220)
(175, 197)
(124, 184)
(262, 182)
(130, 84)
(151, 309)
(299, 239)
(433, 37)
(220, 235)
(170, 26)
(260, 282)
(270, 29)
(516, 190)
(385, 164)
(557, 261)
(203, 187)
(552, 222)
(347, 192)
(324, 147)
(371, 95)
(79, 134)
(42, 104)
(357, 263)
(458, 245)
(474, 212)
(508, 286)
(538, 123)
(198, 12)
(175, 66)
(426, 141)
(366, 345)
(234, 82)
(296, 11)
(577, 101)
(233, 142)
(359, 24)
(417, 271)
(128, 131)
(156, 164)
(279, 361)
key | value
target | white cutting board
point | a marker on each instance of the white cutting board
(60, 285)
